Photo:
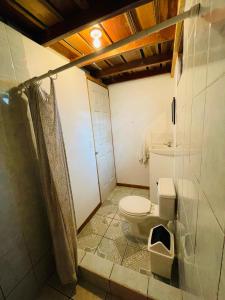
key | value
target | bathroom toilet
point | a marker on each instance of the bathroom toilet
(142, 214)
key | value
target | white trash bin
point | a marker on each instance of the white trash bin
(161, 247)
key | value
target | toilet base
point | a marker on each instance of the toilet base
(135, 231)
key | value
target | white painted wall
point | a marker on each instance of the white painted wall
(137, 107)
(21, 59)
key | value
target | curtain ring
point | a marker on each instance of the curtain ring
(51, 75)
(56, 76)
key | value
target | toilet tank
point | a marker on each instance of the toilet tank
(166, 198)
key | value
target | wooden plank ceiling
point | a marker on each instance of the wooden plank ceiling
(65, 26)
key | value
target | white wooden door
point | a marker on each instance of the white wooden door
(101, 122)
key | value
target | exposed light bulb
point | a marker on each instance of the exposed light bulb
(96, 33)
(97, 43)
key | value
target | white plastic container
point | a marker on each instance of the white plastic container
(161, 247)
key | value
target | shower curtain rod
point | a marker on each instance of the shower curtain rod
(193, 11)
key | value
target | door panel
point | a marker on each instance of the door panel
(101, 122)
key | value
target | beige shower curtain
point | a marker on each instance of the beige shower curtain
(55, 179)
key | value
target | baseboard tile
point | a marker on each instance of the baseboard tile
(133, 185)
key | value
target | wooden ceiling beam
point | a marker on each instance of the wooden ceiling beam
(23, 11)
(152, 60)
(89, 77)
(62, 49)
(164, 35)
(164, 10)
(156, 19)
(133, 21)
(71, 48)
(136, 75)
(52, 8)
(101, 11)
(172, 8)
(14, 17)
(157, 11)
(130, 22)
(178, 35)
(46, 14)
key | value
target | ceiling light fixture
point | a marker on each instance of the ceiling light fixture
(96, 34)
(97, 43)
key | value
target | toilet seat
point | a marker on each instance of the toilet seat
(133, 215)
(135, 206)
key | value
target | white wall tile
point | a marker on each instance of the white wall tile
(1, 295)
(45, 268)
(190, 197)
(13, 267)
(221, 294)
(188, 269)
(189, 22)
(16, 47)
(21, 59)
(11, 231)
(213, 157)
(190, 281)
(27, 289)
(201, 53)
(192, 288)
(203, 172)
(198, 108)
(209, 248)
(216, 60)
(6, 67)
(188, 91)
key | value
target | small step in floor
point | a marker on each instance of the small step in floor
(108, 235)
(101, 279)
(82, 291)
(122, 282)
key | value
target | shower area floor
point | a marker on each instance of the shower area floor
(107, 235)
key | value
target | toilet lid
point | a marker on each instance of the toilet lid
(135, 205)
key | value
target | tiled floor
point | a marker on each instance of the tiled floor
(107, 235)
(83, 291)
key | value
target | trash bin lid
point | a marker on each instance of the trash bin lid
(161, 234)
(135, 205)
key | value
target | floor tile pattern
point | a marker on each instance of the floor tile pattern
(137, 259)
(89, 242)
(97, 225)
(107, 235)
(112, 250)
(83, 291)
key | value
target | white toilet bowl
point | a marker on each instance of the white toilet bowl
(141, 213)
